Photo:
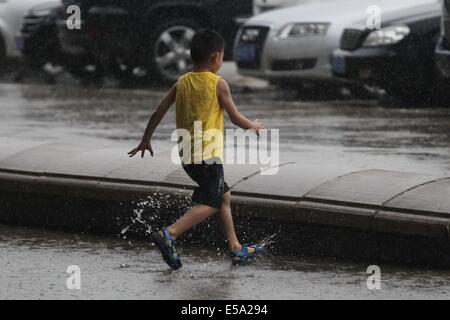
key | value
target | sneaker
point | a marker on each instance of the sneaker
(168, 250)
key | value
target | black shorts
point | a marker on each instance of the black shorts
(211, 183)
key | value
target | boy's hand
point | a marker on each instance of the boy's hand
(258, 126)
(142, 147)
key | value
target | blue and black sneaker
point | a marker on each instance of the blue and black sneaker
(166, 245)
(244, 256)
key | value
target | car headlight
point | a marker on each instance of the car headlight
(41, 13)
(386, 36)
(294, 30)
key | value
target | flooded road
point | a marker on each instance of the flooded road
(34, 262)
(357, 135)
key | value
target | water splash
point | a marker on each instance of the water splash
(269, 240)
(124, 230)
(151, 213)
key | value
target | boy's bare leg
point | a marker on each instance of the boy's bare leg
(225, 220)
(200, 213)
(190, 219)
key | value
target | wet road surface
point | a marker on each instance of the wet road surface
(354, 134)
(34, 262)
(357, 135)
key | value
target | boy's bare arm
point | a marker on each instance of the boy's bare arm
(155, 120)
(226, 102)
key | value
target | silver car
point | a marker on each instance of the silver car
(296, 43)
(261, 6)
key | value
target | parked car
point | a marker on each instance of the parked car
(399, 57)
(443, 47)
(154, 35)
(39, 33)
(11, 16)
(294, 45)
(262, 6)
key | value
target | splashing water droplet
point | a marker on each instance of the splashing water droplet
(124, 230)
(144, 214)
(268, 240)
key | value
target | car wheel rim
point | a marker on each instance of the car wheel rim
(173, 51)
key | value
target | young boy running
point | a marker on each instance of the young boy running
(201, 97)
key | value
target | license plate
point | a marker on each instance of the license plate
(246, 53)
(20, 44)
(339, 65)
(365, 74)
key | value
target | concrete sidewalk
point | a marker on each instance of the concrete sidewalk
(374, 204)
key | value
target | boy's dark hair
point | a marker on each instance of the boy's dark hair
(205, 43)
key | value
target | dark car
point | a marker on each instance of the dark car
(443, 47)
(399, 57)
(39, 35)
(155, 35)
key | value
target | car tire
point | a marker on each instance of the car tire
(168, 53)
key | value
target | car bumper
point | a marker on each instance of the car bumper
(19, 43)
(443, 59)
(37, 38)
(316, 73)
(11, 47)
(305, 58)
(99, 35)
(374, 65)
(74, 42)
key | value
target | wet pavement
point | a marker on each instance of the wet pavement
(333, 134)
(34, 264)
(352, 134)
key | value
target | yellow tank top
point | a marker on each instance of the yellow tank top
(198, 112)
